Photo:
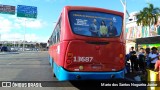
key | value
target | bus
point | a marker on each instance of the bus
(87, 43)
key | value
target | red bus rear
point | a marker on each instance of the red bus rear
(88, 43)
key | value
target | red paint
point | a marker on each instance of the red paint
(106, 57)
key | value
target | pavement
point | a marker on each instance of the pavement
(129, 76)
(34, 66)
(3, 53)
(132, 75)
(18, 52)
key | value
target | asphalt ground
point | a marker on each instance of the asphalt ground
(34, 66)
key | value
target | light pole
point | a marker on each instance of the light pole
(24, 35)
(124, 19)
(0, 37)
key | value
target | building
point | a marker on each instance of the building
(28, 45)
(133, 31)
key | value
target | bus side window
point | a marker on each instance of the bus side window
(56, 33)
(51, 40)
(59, 29)
(58, 37)
(54, 39)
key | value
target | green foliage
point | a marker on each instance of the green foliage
(148, 16)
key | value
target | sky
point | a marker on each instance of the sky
(13, 28)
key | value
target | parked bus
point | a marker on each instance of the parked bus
(88, 44)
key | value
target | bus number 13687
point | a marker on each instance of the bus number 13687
(83, 59)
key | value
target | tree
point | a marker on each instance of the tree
(148, 16)
(37, 45)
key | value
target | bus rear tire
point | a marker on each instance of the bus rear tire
(53, 69)
(54, 75)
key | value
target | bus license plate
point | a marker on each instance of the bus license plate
(97, 66)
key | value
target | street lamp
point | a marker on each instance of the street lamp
(24, 35)
(0, 37)
(124, 19)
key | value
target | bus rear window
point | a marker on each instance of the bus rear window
(95, 24)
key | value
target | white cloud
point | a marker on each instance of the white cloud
(18, 37)
(5, 25)
(16, 25)
(12, 28)
(11, 36)
(12, 17)
(34, 24)
(11, 23)
(31, 37)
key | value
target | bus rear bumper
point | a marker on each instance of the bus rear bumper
(64, 75)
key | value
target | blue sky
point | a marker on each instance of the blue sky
(40, 29)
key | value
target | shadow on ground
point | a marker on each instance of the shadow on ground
(116, 84)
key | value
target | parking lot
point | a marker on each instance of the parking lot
(25, 66)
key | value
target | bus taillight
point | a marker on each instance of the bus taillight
(121, 55)
(121, 58)
(69, 58)
(70, 55)
(69, 61)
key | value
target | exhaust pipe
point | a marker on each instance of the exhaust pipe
(78, 77)
(112, 76)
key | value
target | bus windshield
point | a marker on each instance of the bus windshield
(95, 24)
